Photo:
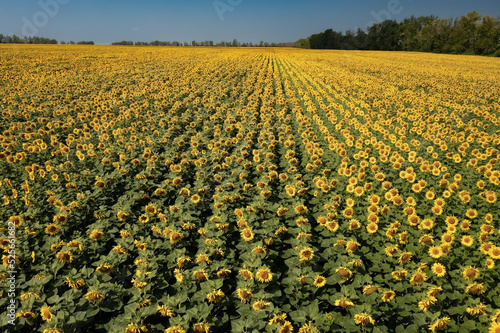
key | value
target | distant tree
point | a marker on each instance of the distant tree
(331, 39)
(361, 40)
(410, 29)
(470, 33)
(15, 39)
(349, 41)
(488, 39)
(303, 43)
(468, 26)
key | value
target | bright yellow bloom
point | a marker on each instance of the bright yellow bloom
(45, 313)
(264, 275)
(439, 324)
(363, 319)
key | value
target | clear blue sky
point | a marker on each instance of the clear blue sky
(106, 21)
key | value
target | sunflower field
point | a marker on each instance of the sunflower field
(178, 190)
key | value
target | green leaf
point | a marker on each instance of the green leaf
(299, 316)
(54, 299)
(467, 326)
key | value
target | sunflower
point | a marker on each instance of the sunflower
(319, 281)
(121, 215)
(399, 275)
(447, 238)
(141, 246)
(96, 234)
(487, 229)
(65, 256)
(175, 329)
(244, 294)
(391, 250)
(354, 224)
(434, 291)
(467, 240)
(479, 310)
(46, 314)
(332, 226)
(215, 296)
(175, 237)
(201, 327)
(301, 209)
(439, 324)
(281, 211)
(195, 198)
(363, 319)
(465, 225)
(494, 252)
(264, 275)
(344, 303)
(160, 192)
(352, 246)
(348, 212)
(200, 275)
(306, 254)
(278, 319)
(405, 257)
(51, 229)
(104, 268)
(470, 273)
(203, 258)
(345, 273)
(372, 228)
(61, 219)
(438, 269)
(25, 315)
(94, 296)
(495, 327)
(426, 224)
(125, 234)
(475, 288)
(418, 278)
(178, 275)
(435, 252)
(260, 305)
(437, 210)
(144, 218)
(258, 250)
(425, 304)
(471, 213)
(388, 296)
(286, 327)
(247, 234)
(100, 184)
(496, 317)
(486, 247)
(246, 274)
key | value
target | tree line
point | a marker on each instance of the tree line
(468, 34)
(14, 39)
(234, 43)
